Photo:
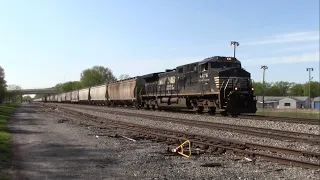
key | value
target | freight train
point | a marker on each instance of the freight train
(214, 84)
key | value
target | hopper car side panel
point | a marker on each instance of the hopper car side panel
(84, 95)
(125, 92)
(75, 96)
(63, 97)
(98, 94)
(68, 96)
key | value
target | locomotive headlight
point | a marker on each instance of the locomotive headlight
(252, 89)
(236, 89)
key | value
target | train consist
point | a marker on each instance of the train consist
(215, 83)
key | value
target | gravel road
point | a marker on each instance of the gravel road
(46, 149)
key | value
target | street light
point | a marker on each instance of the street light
(310, 69)
(264, 69)
(234, 44)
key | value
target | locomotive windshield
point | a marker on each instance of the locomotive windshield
(224, 64)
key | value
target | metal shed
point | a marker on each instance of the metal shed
(316, 103)
(269, 101)
(294, 103)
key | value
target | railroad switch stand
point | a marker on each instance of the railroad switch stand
(180, 147)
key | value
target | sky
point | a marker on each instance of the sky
(45, 42)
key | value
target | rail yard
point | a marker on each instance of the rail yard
(202, 113)
(159, 90)
(256, 142)
(178, 110)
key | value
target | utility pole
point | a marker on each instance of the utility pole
(264, 67)
(310, 69)
(234, 44)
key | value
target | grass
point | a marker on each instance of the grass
(6, 112)
(294, 114)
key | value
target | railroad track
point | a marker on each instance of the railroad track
(249, 116)
(283, 119)
(208, 144)
(255, 131)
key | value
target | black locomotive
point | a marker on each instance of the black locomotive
(216, 83)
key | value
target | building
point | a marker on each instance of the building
(316, 103)
(269, 101)
(294, 102)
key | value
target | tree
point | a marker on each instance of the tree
(96, 75)
(68, 86)
(26, 98)
(258, 87)
(314, 87)
(124, 76)
(37, 96)
(297, 90)
(2, 85)
(14, 87)
(14, 94)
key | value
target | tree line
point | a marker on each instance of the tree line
(284, 88)
(4, 94)
(93, 76)
(97, 75)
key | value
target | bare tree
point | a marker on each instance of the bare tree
(14, 87)
(124, 76)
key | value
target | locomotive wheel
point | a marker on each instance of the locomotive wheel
(235, 115)
(212, 111)
(147, 107)
(199, 110)
(224, 113)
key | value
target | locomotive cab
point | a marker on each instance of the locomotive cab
(233, 83)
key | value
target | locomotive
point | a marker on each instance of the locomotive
(215, 83)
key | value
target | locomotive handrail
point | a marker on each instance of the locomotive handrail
(224, 91)
(221, 85)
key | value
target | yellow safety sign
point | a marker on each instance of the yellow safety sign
(181, 149)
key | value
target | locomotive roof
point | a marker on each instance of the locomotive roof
(151, 75)
(219, 59)
(214, 59)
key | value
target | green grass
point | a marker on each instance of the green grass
(290, 114)
(6, 112)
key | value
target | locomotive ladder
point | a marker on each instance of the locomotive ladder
(222, 95)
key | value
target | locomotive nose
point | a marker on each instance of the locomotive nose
(234, 72)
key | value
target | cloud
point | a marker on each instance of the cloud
(286, 38)
(300, 47)
(306, 57)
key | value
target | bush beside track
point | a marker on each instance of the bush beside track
(6, 112)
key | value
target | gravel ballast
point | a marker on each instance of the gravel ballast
(206, 132)
(284, 126)
(52, 150)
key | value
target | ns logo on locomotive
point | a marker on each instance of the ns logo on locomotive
(215, 83)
